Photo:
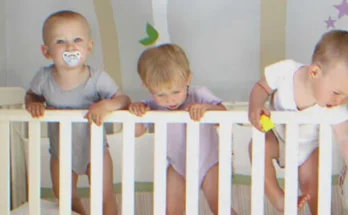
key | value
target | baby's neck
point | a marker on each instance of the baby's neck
(303, 90)
(70, 79)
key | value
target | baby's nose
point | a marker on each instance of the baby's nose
(169, 101)
(70, 47)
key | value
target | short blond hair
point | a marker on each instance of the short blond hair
(331, 49)
(62, 14)
(163, 66)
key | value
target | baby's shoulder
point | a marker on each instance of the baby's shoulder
(44, 72)
(95, 72)
(99, 75)
(198, 93)
(199, 90)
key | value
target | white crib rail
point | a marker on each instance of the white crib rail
(325, 163)
(34, 167)
(225, 119)
(65, 167)
(160, 165)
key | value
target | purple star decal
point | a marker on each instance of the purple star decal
(342, 8)
(330, 22)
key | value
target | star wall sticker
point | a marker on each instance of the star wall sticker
(342, 9)
(330, 22)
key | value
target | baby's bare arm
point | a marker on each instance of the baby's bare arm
(34, 104)
(31, 97)
(118, 102)
(98, 111)
(260, 93)
(258, 97)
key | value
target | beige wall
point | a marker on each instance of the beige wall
(109, 39)
(273, 33)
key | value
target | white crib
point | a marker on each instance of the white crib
(142, 152)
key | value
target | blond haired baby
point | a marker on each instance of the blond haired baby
(165, 72)
(71, 84)
(321, 88)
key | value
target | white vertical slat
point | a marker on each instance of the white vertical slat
(5, 168)
(128, 168)
(291, 170)
(97, 155)
(258, 172)
(192, 168)
(65, 168)
(325, 169)
(160, 168)
(34, 167)
(225, 167)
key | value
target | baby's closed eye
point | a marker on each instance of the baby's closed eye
(78, 40)
(60, 41)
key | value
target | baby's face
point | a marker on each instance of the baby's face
(170, 98)
(331, 89)
(68, 35)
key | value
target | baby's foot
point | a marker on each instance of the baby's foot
(302, 200)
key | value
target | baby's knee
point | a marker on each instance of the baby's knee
(309, 186)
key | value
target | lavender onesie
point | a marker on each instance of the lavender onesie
(176, 135)
(98, 86)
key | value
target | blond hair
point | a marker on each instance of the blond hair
(163, 66)
(62, 14)
(331, 48)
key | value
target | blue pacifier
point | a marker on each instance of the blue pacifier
(72, 58)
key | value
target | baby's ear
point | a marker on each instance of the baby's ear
(45, 52)
(90, 46)
(189, 78)
(315, 71)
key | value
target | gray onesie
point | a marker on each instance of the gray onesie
(98, 86)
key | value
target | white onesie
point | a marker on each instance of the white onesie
(280, 77)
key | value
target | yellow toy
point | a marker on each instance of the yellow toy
(266, 123)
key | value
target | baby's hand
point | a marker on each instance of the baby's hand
(36, 109)
(255, 116)
(197, 110)
(138, 108)
(97, 112)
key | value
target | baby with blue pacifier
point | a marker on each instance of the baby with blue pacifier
(71, 84)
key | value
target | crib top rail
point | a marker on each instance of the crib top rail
(230, 116)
